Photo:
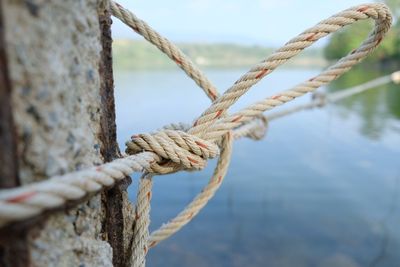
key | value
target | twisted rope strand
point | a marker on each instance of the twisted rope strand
(30, 200)
(320, 100)
(167, 47)
(142, 221)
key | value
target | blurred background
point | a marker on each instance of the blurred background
(322, 189)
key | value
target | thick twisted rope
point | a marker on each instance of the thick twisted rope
(167, 47)
(140, 244)
(167, 150)
(27, 201)
(321, 100)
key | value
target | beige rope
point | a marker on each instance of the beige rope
(30, 200)
(167, 47)
(320, 100)
(142, 221)
(171, 150)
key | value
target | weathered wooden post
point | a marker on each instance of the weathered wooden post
(57, 115)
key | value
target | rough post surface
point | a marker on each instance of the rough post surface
(58, 55)
(8, 156)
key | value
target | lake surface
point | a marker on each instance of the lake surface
(322, 189)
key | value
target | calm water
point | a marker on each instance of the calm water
(322, 189)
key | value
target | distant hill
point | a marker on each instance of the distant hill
(139, 55)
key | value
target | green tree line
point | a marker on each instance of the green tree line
(388, 53)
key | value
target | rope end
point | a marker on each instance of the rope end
(396, 77)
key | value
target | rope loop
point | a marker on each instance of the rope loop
(211, 125)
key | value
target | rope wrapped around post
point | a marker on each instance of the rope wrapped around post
(172, 150)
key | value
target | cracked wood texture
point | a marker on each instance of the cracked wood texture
(57, 115)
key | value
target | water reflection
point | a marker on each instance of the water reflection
(321, 189)
(377, 108)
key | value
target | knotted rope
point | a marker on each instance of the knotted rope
(183, 148)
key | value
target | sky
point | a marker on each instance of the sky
(251, 22)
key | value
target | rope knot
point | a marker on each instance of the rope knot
(176, 149)
(255, 129)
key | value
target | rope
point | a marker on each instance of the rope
(334, 97)
(171, 150)
(168, 48)
(27, 201)
(320, 100)
(142, 221)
